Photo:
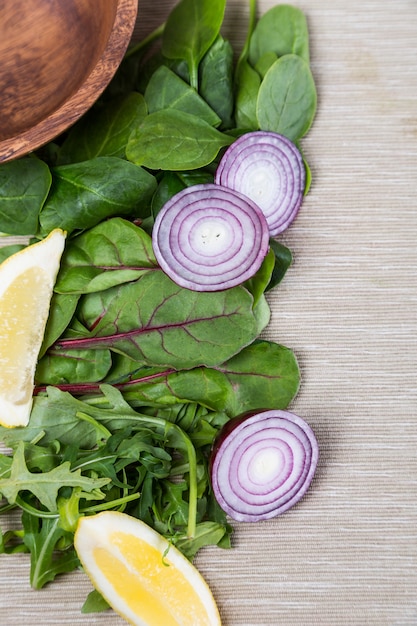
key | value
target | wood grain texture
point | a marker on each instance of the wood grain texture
(56, 59)
(346, 555)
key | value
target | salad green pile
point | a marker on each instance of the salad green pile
(137, 375)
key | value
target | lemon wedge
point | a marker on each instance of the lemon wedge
(144, 579)
(27, 279)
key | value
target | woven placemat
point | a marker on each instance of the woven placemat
(347, 553)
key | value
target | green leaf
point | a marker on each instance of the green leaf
(191, 28)
(248, 82)
(6, 251)
(104, 130)
(287, 98)
(264, 375)
(166, 90)
(24, 186)
(94, 603)
(74, 366)
(45, 485)
(175, 140)
(207, 533)
(282, 261)
(208, 387)
(41, 538)
(111, 253)
(156, 322)
(61, 310)
(83, 194)
(281, 30)
(216, 80)
(259, 282)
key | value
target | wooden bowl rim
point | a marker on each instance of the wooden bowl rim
(77, 104)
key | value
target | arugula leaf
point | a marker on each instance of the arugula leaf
(45, 485)
(41, 538)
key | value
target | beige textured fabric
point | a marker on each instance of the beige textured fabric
(347, 553)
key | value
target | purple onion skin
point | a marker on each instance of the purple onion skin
(273, 509)
(244, 157)
(191, 218)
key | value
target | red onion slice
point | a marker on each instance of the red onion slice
(208, 238)
(262, 464)
(269, 169)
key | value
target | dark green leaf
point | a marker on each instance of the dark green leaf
(83, 194)
(191, 28)
(282, 261)
(287, 98)
(6, 251)
(166, 90)
(104, 130)
(216, 80)
(248, 83)
(24, 186)
(174, 140)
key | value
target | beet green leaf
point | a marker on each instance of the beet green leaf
(156, 322)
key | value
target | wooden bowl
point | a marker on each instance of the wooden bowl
(56, 58)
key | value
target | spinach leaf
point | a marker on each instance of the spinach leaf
(248, 82)
(167, 90)
(24, 186)
(283, 260)
(171, 183)
(156, 322)
(191, 28)
(281, 30)
(104, 130)
(216, 80)
(83, 194)
(175, 140)
(7, 251)
(287, 98)
(111, 253)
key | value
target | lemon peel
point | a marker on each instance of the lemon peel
(27, 279)
(143, 577)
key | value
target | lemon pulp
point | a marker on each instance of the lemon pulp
(22, 320)
(151, 584)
